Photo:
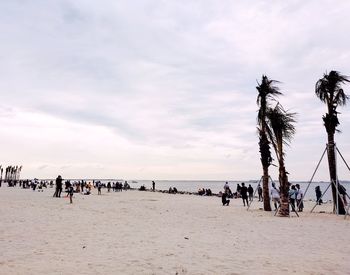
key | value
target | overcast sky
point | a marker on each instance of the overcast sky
(164, 89)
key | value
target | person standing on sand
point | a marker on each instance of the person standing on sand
(70, 192)
(300, 197)
(58, 190)
(260, 193)
(292, 196)
(153, 185)
(99, 186)
(318, 195)
(250, 192)
(244, 195)
(238, 190)
(275, 196)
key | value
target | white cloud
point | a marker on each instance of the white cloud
(162, 89)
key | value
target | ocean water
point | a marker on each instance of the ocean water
(217, 186)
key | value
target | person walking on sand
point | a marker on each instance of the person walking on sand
(244, 195)
(153, 185)
(250, 192)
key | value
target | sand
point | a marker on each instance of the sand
(137, 232)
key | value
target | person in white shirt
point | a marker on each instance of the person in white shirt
(275, 196)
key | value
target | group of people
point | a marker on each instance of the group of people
(242, 191)
(295, 196)
(205, 192)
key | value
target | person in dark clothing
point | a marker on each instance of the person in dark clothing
(342, 192)
(318, 195)
(58, 191)
(250, 192)
(224, 200)
(238, 190)
(99, 187)
(244, 195)
(70, 192)
(260, 193)
(153, 185)
(109, 187)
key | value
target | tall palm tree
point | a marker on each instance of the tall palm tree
(328, 89)
(267, 91)
(281, 132)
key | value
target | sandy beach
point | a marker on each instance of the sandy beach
(137, 232)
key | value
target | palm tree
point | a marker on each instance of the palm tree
(281, 132)
(328, 90)
(267, 91)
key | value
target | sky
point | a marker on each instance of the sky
(165, 89)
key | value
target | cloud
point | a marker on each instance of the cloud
(162, 84)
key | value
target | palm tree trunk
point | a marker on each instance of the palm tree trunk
(266, 195)
(333, 174)
(284, 188)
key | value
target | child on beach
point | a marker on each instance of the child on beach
(70, 192)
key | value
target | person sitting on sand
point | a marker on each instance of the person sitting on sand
(224, 199)
(244, 194)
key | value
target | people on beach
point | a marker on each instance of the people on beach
(250, 192)
(238, 191)
(275, 196)
(99, 187)
(109, 187)
(292, 196)
(153, 185)
(244, 195)
(300, 197)
(342, 192)
(226, 187)
(260, 191)
(224, 199)
(70, 192)
(318, 195)
(58, 190)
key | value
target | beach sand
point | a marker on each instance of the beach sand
(137, 232)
